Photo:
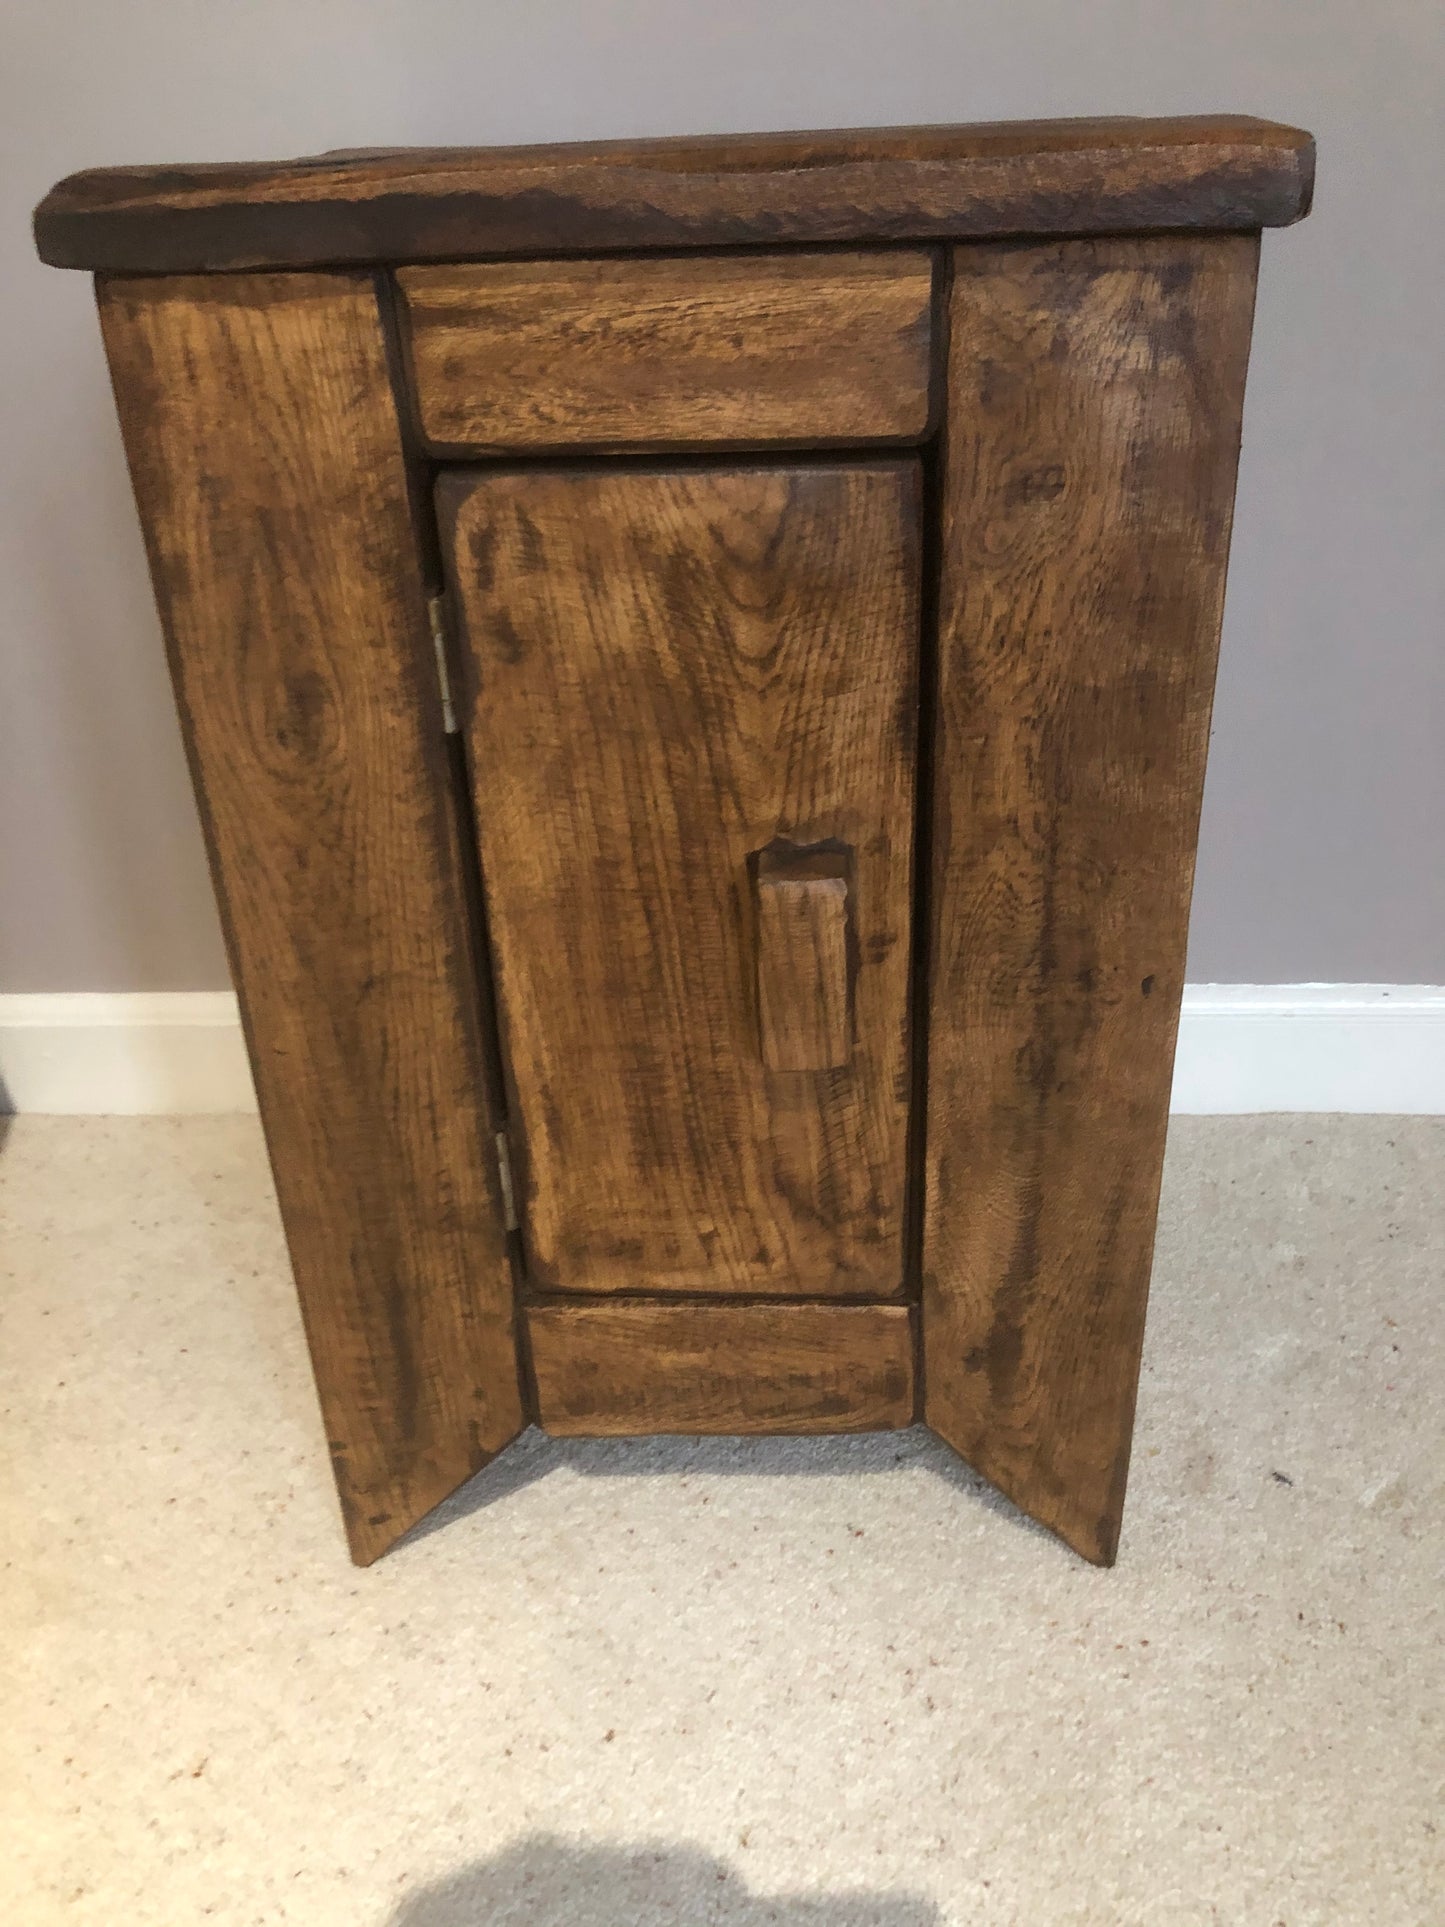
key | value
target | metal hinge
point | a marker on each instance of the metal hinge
(504, 1174)
(436, 610)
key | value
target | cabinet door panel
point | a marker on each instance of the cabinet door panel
(677, 684)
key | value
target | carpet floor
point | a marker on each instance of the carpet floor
(827, 1683)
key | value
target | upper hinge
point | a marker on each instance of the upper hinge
(436, 611)
(504, 1175)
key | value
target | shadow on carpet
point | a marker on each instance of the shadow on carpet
(545, 1881)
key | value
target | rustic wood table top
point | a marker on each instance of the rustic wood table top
(1120, 175)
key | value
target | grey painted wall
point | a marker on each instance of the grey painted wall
(1321, 853)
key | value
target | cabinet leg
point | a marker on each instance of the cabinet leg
(1094, 397)
(264, 447)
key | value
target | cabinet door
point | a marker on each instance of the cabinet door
(689, 699)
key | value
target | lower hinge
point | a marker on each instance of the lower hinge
(504, 1176)
(436, 611)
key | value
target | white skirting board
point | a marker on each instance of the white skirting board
(1242, 1047)
(1310, 1047)
(124, 1053)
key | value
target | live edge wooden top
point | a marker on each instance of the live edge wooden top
(724, 190)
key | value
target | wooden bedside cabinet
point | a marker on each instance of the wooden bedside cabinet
(696, 661)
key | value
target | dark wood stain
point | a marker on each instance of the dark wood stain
(795, 189)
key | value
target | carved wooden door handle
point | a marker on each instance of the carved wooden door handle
(805, 1018)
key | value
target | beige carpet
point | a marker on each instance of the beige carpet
(828, 1684)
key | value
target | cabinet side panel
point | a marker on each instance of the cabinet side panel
(263, 445)
(1094, 396)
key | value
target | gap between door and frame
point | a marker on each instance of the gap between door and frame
(930, 567)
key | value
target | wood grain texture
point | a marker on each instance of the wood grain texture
(853, 185)
(263, 444)
(629, 1367)
(1095, 391)
(725, 351)
(805, 993)
(672, 670)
